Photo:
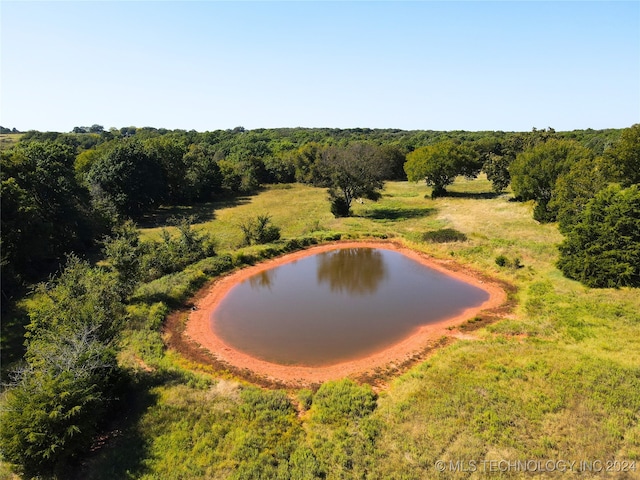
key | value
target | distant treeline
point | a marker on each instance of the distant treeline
(61, 192)
(8, 130)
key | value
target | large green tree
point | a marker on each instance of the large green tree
(395, 157)
(534, 172)
(624, 157)
(168, 153)
(352, 172)
(573, 190)
(304, 160)
(497, 153)
(603, 247)
(441, 163)
(56, 401)
(44, 210)
(203, 179)
(127, 179)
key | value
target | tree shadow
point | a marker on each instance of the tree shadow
(473, 195)
(13, 327)
(390, 213)
(444, 235)
(157, 297)
(201, 212)
(357, 271)
(120, 451)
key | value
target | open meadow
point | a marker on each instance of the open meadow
(557, 380)
(9, 139)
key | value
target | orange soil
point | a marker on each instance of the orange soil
(198, 326)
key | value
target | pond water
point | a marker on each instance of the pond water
(337, 306)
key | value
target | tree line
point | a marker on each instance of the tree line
(61, 192)
(8, 130)
(595, 199)
(590, 189)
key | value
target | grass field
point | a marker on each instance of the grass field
(559, 380)
(9, 139)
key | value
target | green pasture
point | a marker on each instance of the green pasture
(557, 379)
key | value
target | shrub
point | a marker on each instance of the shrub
(259, 230)
(603, 248)
(269, 234)
(503, 261)
(304, 465)
(293, 244)
(444, 235)
(243, 258)
(218, 265)
(53, 410)
(263, 405)
(56, 402)
(133, 260)
(337, 402)
(332, 236)
(339, 207)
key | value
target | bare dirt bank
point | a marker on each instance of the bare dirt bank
(197, 333)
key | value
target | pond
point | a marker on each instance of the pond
(337, 306)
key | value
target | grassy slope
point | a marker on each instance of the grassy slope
(7, 140)
(560, 379)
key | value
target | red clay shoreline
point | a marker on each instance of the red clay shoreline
(198, 326)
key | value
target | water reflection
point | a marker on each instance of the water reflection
(262, 279)
(337, 306)
(356, 271)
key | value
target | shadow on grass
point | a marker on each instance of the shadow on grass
(398, 213)
(151, 298)
(444, 235)
(201, 212)
(121, 450)
(173, 294)
(14, 321)
(170, 301)
(473, 195)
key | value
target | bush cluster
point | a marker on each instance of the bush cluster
(259, 230)
(594, 199)
(57, 399)
(444, 235)
(503, 261)
(136, 261)
(603, 248)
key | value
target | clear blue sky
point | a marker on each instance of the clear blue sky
(410, 65)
